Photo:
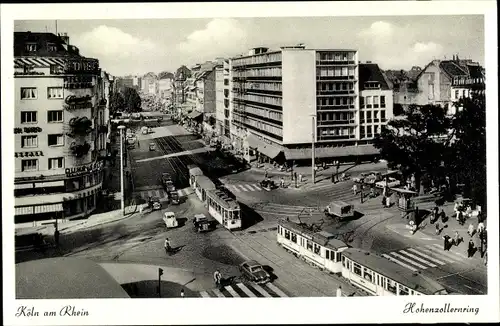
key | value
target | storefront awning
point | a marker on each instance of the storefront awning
(261, 146)
(38, 209)
(330, 152)
(195, 114)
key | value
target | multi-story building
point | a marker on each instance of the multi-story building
(222, 97)
(276, 95)
(179, 84)
(57, 120)
(376, 102)
(149, 84)
(165, 86)
(200, 95)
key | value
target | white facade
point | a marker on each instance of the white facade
(377, 111)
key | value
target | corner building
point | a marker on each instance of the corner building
(276, 95)
(59, 127)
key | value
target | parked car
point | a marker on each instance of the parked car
(202, 223)
(392, 182)
(170, 220)
(254, 272)
(169, 186)
(361, 177)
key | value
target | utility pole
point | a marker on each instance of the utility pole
(121, 170)
(313, 151)
(160, 273)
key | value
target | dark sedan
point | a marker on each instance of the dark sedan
(254, 272)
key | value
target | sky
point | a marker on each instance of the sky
(394, 42)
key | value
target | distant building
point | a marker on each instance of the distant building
(222, 99)
(276, 94)
(149, 84)
(60, 128)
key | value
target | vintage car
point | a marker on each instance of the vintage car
(155, 203)
(391, 183)
(170, 220)
(174, 197)
(373, 177)
(254, 272)
(203, 224)
(339, 209)
(360, 178)
(268, 184)
(152, 146)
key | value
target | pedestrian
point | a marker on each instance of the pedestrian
(446, 242)
(333, 178)
(470, 249)
(166, 245)
(485, 258)
(383, 201)
(217, 278)
(300, 177)
(438, 229)
(480, 228)
(443, 216)
(388, 201)
(56, 238)
(282, 182)
(470, 231)
(355, 189)
(457, 239)
(266, 174)
(295, 176)
(138, 144)
(339, 291)
(182, 293)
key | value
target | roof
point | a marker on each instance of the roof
(41, 40)
(393, 271)
(267, 149)
(194, 170)
(322, 152)
(324, 238)
(194, 114)
(223, 199)
(205, 182)
(65, 278)
(371, 72)
(453, 68)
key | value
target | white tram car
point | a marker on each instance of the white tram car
(368, 271)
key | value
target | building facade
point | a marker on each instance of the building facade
(59, 112)
(277, 94)
(149, 84)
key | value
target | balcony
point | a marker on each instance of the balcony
(335, 62)
(80, 126)
(77, 102)
(80, 150)
(333, 92)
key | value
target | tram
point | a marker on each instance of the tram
(202, 185)
(224, 209)
(320, 249)
(194, 171)
(366, 270)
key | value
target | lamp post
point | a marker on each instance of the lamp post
(313, 150)
(121, 169)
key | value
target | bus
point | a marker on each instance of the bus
(224, 209)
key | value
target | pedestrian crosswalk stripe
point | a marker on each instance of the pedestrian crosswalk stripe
(243, 187)
(231, 291)
(245, 289)
(443, 255)
(276, 290)
(426, 256)
(218, 293)
(417, 258)
(399, 262)
(251, 187)
(235, 189)
(256, 186)
(454, 252)
(204, 294)
(262, 291)
(408, 260)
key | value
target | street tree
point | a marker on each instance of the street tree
(116, 103)
(132, 100)
(415, 143)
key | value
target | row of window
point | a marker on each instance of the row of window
(375, 278)
(31, 93)
(372, 101)
(259, 72)
(336, 116)
(376, 116)
(31, 141)
(32, 164)
(366, 131)
(335, 86)
(32, 47)
(335, 71)
(335, 101)
(271, 57)
(335, 56)
(278, 116)
(264, 99)
(84, 182)
(79, 206)
(264, 86)
(32, 116)
(337, 131)
(309, 245)
(226, 214)
(259, 125)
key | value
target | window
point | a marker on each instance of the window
(327, 254)
(403, 290)
(382, 115)
(338, 256)
(369, 131)
(431, 91)
(226, 82)
(357, 269)
(309, 245)
(369, 116)
(391, 286)
(28, 117)
(55, 116)
(294, 237)
(56, 140)
(29, 165)
(29, 141)
(375, 102)
(317, 249)
(30, 47)
(362, 116)
(368, 275)
(54, 92)
(369, 102)
(56, 163)
(51, 47)
(287, 234)
(382, 101)
(29, 93)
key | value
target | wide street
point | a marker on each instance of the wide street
(139, 239)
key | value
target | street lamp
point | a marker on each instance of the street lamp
(313, 134)
(121, 169)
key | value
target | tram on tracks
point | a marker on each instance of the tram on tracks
(224, 209)
(221, 206)
(366, 270)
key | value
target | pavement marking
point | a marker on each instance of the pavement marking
(408, 260)
(233, 187)
(256, 186)
(444, 254)
(426, 256)
(417, 258)
(218, 293)
(276, 290)
(399, 263)
(454, 252)
(441, 254)
(231, 291)
(204, 294)
(246, 290)
(261, 290)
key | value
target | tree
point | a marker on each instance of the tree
(117, 103)
(165, 75)
(132, 100)
(415, 144)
